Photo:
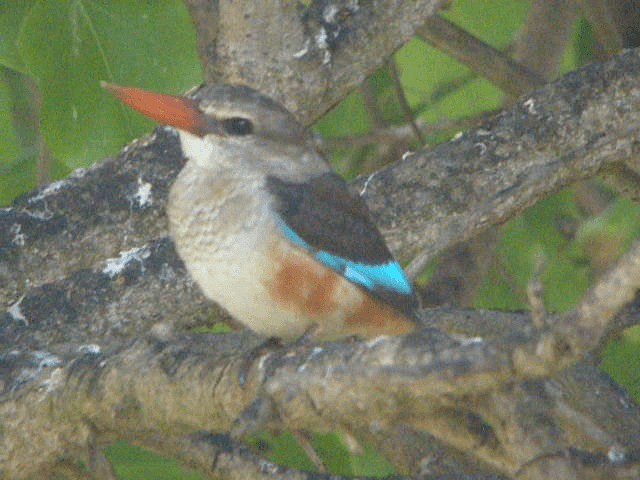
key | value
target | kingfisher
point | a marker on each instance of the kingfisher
(266, 228)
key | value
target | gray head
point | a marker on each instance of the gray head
(240, 110)
(247, 128)
(231, 127)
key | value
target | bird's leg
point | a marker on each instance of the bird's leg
(306, 337)
(271, 343)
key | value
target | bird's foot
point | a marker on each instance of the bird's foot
(264, 348)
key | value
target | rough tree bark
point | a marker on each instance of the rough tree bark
(95, 342)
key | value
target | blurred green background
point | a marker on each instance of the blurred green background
(55, 117)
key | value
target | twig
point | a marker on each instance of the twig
(535, 294)
(492, 64)
(402, 100)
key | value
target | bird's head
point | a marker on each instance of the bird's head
(230, 126)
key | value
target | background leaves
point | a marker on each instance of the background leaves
(64, 48)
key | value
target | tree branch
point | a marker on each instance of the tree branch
(492, 64)
(328, 49)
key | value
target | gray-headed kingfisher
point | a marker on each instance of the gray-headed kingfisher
(264, 225)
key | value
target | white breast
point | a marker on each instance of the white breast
(225, 237)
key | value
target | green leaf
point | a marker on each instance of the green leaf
(9, 145)
(134, 463)
(20, 176)
(536, 232)
(17, 178)
(496, 22)
(621, 360)
(12, 15)
(339, 460)
(441, 88)
(282, 449)
(69, 46)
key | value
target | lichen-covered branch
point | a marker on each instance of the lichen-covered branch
(460, 390)
(325, 51)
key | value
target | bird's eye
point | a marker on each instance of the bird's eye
(237, 126)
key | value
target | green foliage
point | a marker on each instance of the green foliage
(67, 47)
(9, 144)
(340, 460)
(331, 448)
(11, 16)
(134, 463)
(621, 360)
(283, 449)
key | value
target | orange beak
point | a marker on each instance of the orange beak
(178, 112)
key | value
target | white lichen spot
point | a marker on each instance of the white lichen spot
(55, 379)
(303, 51)
(263, 360)
(268, 467)
(165, 128)
(39, 214)
(375, 341)
(16, 312)
(322, 39)
(329, 13)
(18, 237)
(482, 147)
(46, 359)
(149, 139)
(466, 341)
(90, 348)
(114, 266)
(316, 351)
(530, 106)
(407, 154)
(616, 455)
(143, 196)
(624, 402)
(78, 173)
(457, 136)
(50, 189)
(327, 57)
(322, 42)
(366, 184)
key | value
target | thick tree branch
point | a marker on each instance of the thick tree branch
(154, 388)
(325, 51)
